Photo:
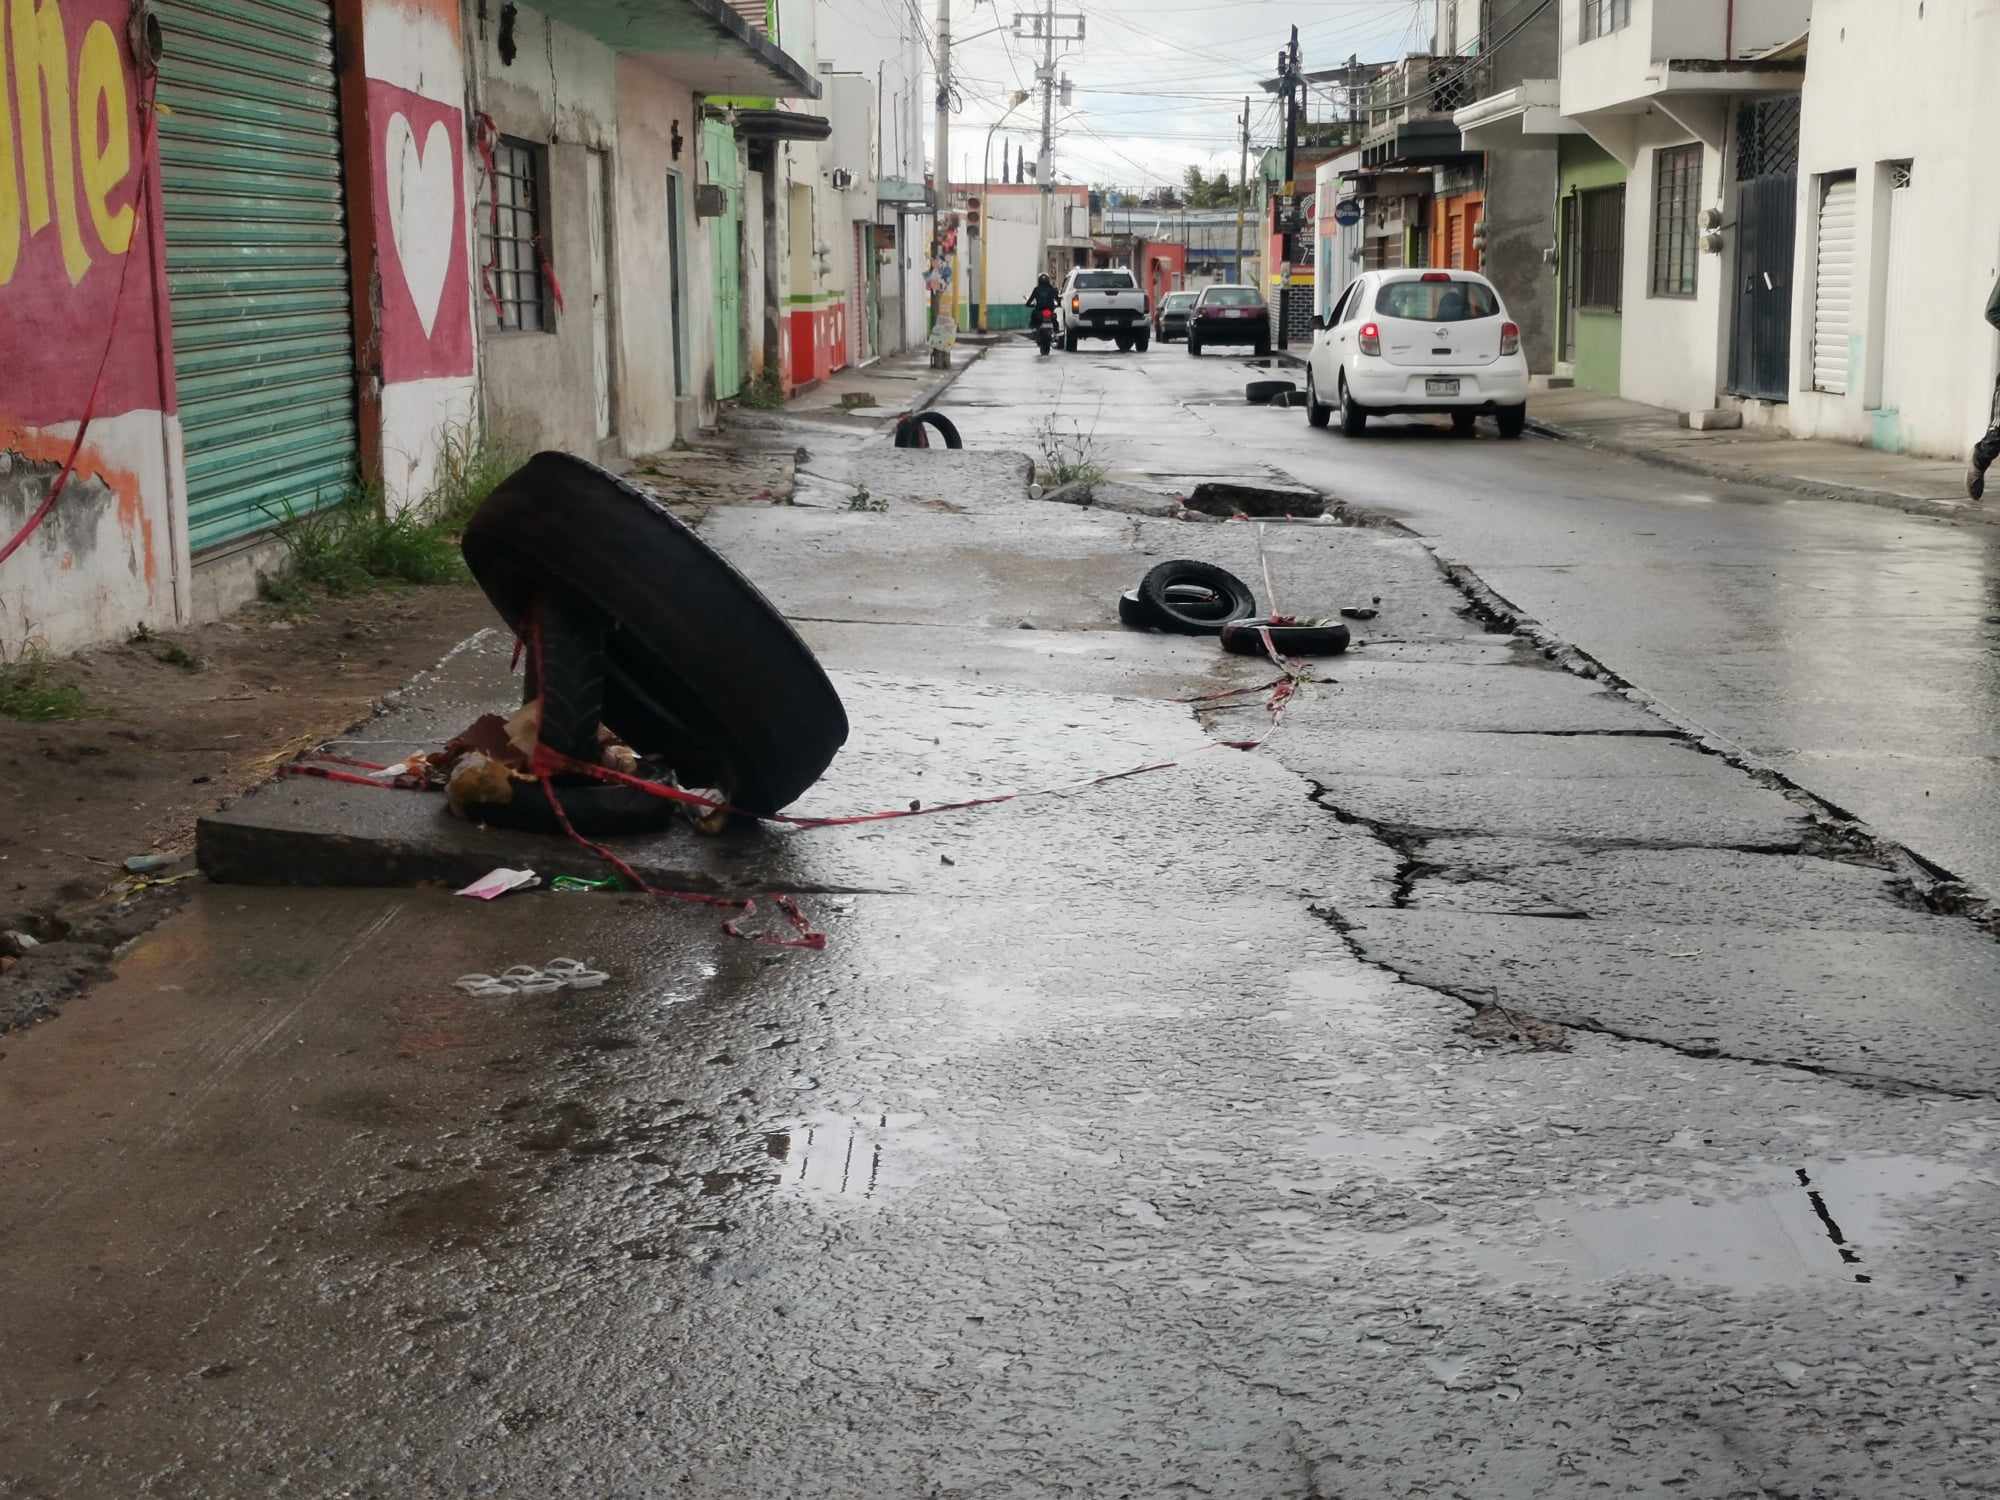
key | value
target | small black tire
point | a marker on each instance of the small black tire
(1069, 343)
(1316, 414)
(1157, 593)
(1265, 392)
(1513, 420)
(1143, 342)
(1191, 598)
(1246, 638)
(910, 431)
(566, 671)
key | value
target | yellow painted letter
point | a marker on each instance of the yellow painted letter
(41, 85)
(106, 157)
(10, 193)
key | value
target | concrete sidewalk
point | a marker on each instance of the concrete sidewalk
(1835, 471)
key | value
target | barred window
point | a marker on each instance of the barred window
(511, 247)
(1676, 234)
(1602, 17)
(1600, 257)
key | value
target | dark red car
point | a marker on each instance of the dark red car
(1229, 315)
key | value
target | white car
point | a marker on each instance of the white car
(1418, 341)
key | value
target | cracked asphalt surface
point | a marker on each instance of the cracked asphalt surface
(1484, 1089)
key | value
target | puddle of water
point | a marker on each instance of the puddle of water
(855, 1156)
(1841, 1221)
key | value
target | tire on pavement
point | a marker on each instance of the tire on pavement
(1265, 392)
(566, 667)
(1246, 638)
(701, 670)
(1513, 420)
(1190, 598)
(594, 809)
(1156, 592)
(910, 431)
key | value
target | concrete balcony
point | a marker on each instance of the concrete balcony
(705, 42)
(1410, 108)
(1627, 56)
(1527, 116)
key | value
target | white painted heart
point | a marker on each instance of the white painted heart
(423, 195)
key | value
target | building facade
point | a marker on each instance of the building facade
(274, 262)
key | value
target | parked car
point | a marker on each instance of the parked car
(1105, 303)
(1418, 341)
(1171, 321)
(1226, 314)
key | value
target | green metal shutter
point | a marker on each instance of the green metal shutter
(257, 271)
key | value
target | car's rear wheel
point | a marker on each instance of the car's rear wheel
(1143, 342)
(1513, 420)
(1194, 346)
(1464, 423)
(1069, 343)
(1316, 413)
(1353, 417)
(1124, 343)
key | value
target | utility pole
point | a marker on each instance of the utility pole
(1290, 80)
(1242, 188)
(941, 352)
(1044, 31)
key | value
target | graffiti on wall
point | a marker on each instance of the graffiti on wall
(420, 205)
(70, 166)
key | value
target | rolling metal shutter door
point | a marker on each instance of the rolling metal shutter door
(257, 273)
(1833, 288)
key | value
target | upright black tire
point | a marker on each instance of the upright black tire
(1513, 421)
(700, 668)
(910, 431)
(1316, 414)
(1145, 342)
(1264, 392)
(1156, 592)
(1353, 417)
(1190, 598)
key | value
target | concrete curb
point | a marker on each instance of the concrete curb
(930, 397)
(1937, 510)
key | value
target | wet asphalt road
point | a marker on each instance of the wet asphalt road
(1852, 648)
(1478, 1091)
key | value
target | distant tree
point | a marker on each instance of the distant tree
(1197, 189)
(1220, 193)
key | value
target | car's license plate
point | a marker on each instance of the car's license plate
(1441, 385)
(1236, 312)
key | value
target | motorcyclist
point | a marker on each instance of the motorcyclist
(1043, 296)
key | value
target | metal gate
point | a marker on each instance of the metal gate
(724, 169)
(257, 274)
(1767, 211)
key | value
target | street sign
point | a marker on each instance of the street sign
(1346, 212)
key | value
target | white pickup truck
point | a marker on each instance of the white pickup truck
(1105, 304)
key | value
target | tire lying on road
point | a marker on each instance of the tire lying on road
(1191, 599)
(910, 431)
(1246, 638)
(700, 669)
(1265, 392)
(1158, 593)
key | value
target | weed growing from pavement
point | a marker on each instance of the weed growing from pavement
(1068, 457)
(34, 689)
(765, 393)
(357, 544)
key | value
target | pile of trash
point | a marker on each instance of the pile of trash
(1186, 597)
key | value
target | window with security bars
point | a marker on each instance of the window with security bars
(1602, 17)
(511, 247)
(1600, 258)
(1767, 139)
(1676, 231)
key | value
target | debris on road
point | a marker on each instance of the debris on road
(527, 979)
(1164, 594)
(1286, 636)
(497, 883)
(910, 431)
(1268, 392)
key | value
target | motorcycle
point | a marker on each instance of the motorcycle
(1045, 329)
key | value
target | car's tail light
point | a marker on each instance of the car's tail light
(1510, 338)
(1076, 304)
(1437, 275)
(1369, 338)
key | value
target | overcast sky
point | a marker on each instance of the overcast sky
(1158, 84)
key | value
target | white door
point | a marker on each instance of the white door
(597, 212)
(1897, 334)
(1833, 289)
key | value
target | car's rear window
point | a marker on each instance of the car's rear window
(1104, 281)
(1437, 301)
(1180, 299)
(1231, 296)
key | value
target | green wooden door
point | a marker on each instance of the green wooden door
(724, 168)
(256, 226)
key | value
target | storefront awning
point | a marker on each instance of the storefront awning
(701, 42)
(782, 125)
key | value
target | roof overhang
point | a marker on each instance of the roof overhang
(703, 43)
(782, 125)
(902, 194)
(1521, 118)
(1414, 143)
